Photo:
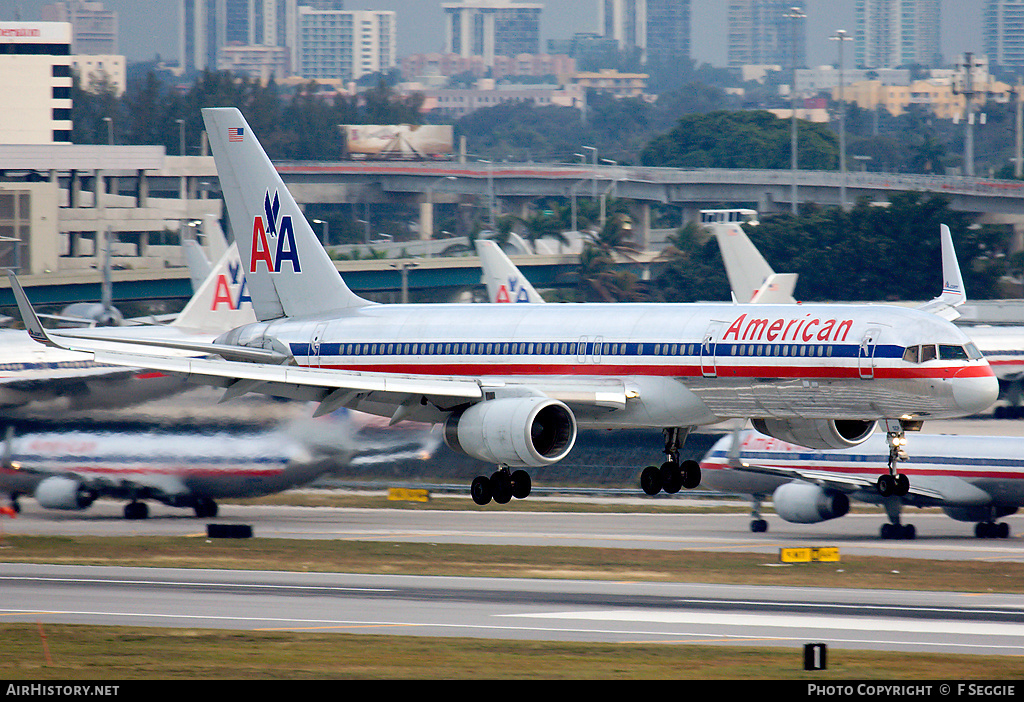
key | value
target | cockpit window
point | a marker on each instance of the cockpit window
(949, 352)
(972, 352)
(912, 354)
(927, 352)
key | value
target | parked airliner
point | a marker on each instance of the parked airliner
(972, 478)
(34, 376)
(511, 383)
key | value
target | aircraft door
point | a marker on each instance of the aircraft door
(314, 344)
(708, 347)
(866, 354)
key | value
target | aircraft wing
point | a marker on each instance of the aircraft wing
(842, 482)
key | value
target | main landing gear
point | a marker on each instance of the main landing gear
(894, 483)
(502, 486)
(758, 524)
(672, 475)
(895, 529)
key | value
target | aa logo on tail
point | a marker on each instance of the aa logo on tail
(518, 292)
(268, 225)
(234, 280)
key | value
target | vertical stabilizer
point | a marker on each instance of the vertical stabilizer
(748, 271)
(953, 293)
(221, 302)
(288, 272)
(503, 280)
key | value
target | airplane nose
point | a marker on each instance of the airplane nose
(975, 394)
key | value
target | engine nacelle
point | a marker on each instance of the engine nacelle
(804, 503)
(514, 431)
(817, 433)
(59, 492)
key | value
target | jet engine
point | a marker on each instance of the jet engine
(58, 492)
(817, 433)
(804, 503)
(514, 431)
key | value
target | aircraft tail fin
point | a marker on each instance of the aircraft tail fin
(222, 300)
(777, 288)
(747, 269)
(953, 293)
(503, 280)
(287, 269)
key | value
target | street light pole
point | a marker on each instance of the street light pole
(841, 37)
(794, 15)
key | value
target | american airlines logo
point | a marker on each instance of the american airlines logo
(807, 329)
(230, 290)
(517, 291)
(268, 226)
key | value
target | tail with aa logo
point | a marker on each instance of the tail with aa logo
(222, 301)
(286, 268)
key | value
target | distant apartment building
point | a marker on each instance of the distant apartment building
(93, 28)
(490, 28)
(896, 33)
(344, 45)
(765, 32)
(100, 72)
(35, 70)
(619, 85)
(424, 66)
(1002, 32)
(455, 102)
(208, 26)
(659, 30)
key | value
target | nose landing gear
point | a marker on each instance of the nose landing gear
(894, 483)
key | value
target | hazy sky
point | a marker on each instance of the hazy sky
(150, 27)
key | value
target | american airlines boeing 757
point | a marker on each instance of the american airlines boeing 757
(511, 383)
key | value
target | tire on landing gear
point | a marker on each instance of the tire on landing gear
(889, 485)
(671, 477)
(205, 508)
(992, 530)
(898, 531)
(480, 490)
(650, 480)
(758, 526)
(521, 484)
(136, 510)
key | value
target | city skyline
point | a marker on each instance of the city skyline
(421, 25)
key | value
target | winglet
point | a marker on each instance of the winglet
(953, 293)
(28, 315)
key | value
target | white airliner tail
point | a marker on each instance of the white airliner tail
(503, 280)
(288, 272)
(750, 276)
(953, 292)
(222, 300)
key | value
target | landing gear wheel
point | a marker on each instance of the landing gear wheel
(501, 487)
(902, 485)
(205, 508)
(480, 490)
(992, 530)
(886, 485)
(650, 480)
(691, 474)
(898, 531)
(136, 510)
(671, 477)
(521, 484)
(758, 526)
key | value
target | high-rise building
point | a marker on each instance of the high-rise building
(490, 28)
(658, 29)
(1002, 32)
(344, 45)
(35, 66)
(896, 33)
(761, 32)
(207, 26)
(93, 28)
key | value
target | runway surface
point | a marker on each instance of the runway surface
(938, 536)
(555, 610)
